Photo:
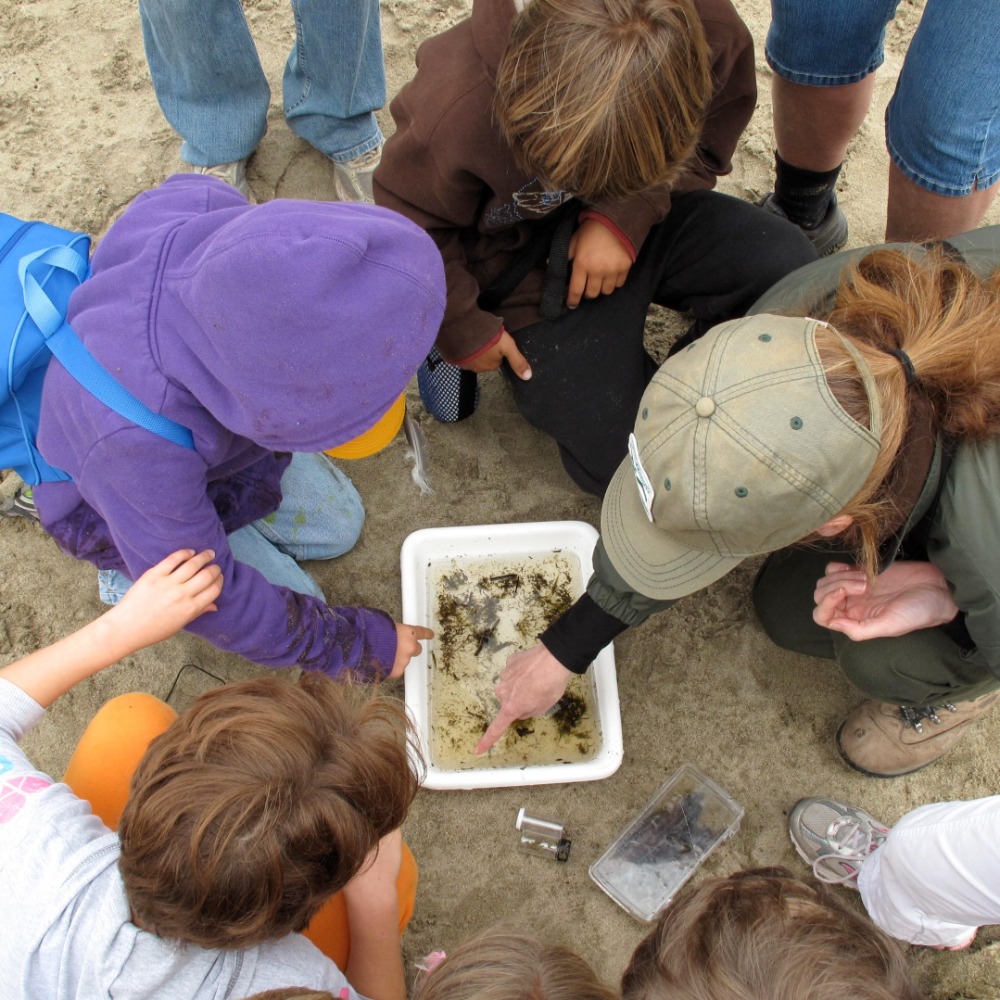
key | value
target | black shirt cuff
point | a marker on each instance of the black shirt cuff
(580, 634)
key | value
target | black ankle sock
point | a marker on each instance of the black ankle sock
(803, 195)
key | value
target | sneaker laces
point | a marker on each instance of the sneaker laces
(913, 717)
(852, 841)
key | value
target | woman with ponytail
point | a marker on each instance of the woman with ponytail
(849, 427)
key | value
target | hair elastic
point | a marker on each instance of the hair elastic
(904, 359)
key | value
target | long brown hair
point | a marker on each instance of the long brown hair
(259, 803)
(947, 321)
(763, 934)
(604, 98)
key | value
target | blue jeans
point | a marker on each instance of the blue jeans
(943, 122)
(212, 89)
(320, 517)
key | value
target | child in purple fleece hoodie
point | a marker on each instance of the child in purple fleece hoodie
(289, 327)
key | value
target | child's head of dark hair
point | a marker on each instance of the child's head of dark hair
(765, 935)
(604, 98)
(259, 803)
(499, 964)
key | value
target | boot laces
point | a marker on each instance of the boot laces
(913, 717)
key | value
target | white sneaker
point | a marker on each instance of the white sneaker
(232, 173)
(834, 838)
(352, 179)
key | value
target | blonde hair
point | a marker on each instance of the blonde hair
(604, 98)
(259, 803)
(765, 935)
(947, 321)
(498, 964)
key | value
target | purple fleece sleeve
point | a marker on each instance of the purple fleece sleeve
(156, 507)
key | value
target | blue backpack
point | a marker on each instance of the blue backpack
(40, 266)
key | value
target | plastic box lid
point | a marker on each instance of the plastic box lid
(662, 847)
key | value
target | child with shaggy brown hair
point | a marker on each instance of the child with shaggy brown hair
(239, 823)
(562, 154)
(763, 934)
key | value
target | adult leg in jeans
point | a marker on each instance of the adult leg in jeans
(335, 76)
(941, 124)
(320, 517)
(712, 256)
(207, 77)
(101, 770)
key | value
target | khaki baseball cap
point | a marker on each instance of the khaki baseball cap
(739, 449)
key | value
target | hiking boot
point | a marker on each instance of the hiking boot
(834, 839)
(883, 740)
(828, 236)
(352, 179)
(21, 504)
(232, 173)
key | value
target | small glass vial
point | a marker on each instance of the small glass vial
(542, 837)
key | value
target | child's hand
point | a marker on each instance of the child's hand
(600, 262)
(165, 598)
(505, 347)
(408, 639)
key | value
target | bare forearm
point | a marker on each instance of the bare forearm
(50, 672)
(375, 966)
(162, 601)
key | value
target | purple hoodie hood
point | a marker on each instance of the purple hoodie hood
(290, 326)
(295, 324)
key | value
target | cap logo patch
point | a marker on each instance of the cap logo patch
(642, 481)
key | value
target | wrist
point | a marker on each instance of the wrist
(492, 342)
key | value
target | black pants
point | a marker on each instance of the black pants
(712, 256)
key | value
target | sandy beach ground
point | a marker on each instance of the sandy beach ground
(81, 135)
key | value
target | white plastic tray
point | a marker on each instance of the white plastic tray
(430, 546)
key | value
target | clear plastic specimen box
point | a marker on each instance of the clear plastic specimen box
(659, 851)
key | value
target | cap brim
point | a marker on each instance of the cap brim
(647, 558)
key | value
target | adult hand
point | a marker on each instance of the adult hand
(408, 638)
(600, 262)
(907, 597)
(505, 347)
(530, 684)
(165, 598)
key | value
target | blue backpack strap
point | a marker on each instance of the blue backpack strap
(75, 358)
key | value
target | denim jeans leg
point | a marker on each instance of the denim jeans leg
(943, 123)
(250, 547)
(827, 43)
(207, 77)
(321, 513)
(320, 517)
(335, 76)
(112, 585)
